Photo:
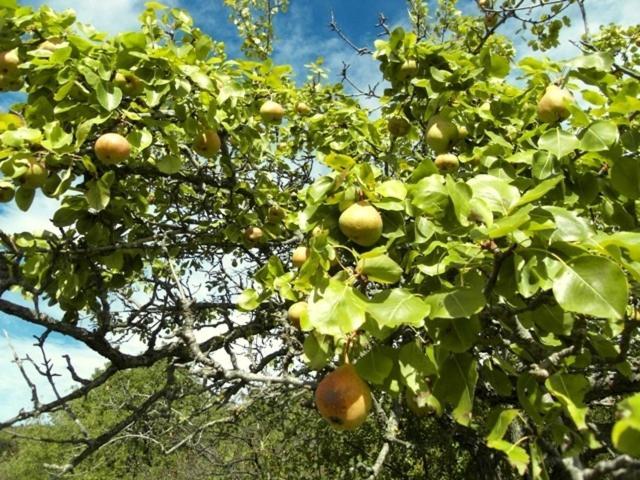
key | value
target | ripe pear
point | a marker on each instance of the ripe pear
(129, 83)
(112, 148)
(398, 126)
(361, 223)
(303, 109)
(299, 256)
(9, 62)
(343, 398)
(408, 69)
(447, 162)
(35, 176)
(440, 133)
(207, 143)
(552, 107)
(295, 313)
(271, 112)
(253, 234)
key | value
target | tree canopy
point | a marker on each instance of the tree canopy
(469, 248)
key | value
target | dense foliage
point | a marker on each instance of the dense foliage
(474, 249)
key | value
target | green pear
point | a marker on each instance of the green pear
(361, 223)
(440, 133)
(552, 107)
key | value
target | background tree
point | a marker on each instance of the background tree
(489, 278)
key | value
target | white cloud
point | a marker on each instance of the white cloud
(111, 16)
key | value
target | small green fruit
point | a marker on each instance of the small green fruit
(35, 176)
(408, 69)
(398, 126)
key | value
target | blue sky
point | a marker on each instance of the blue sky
(303, 35)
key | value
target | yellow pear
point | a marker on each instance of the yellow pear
(552, 107)
(302, 108)
(253, 234)
(361, 223)
(9, 62)
(447, 162)
(207, 143)
(271, 112)
(440, 133)
(299, 256)
(295, 313)
(112, 148)
(343, 398)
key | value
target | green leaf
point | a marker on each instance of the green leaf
(98, 192)
(380, 268)
(558, 142)
(543, 165)
(338, 162)
(496, 192)
(460, 194)
(248, 300)
(169, 164)
(462, 301)
(625, 176)
(108, 96)
(569, 227)
(517, 456)
(626, 431)
(459, 334)
(456, 385)
(317, 351)
(338, 310)
(592, 285)
(570, 390)
(499, 421)
(415, 366)
(392, 189)
(539, 190)
(630, 241)
(601, 61)
(599, 136)
(24, 198)
(376, 365)
(395, 307)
